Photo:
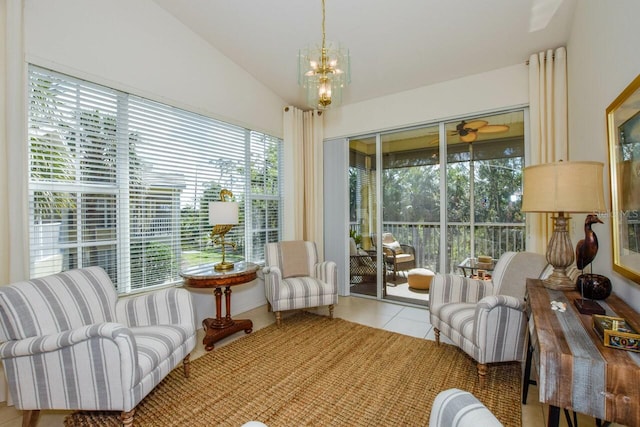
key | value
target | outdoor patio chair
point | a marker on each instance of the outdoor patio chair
(362, 265)
(398, 256)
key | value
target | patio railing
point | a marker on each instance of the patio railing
(490, 239)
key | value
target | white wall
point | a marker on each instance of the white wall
(494, 90)
(4, 196)
(603, 59)
(137, 47)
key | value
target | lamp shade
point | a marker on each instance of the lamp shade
(223, 213)
(563, 187)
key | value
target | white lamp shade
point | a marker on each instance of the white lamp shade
(223, 213)
(563, 187)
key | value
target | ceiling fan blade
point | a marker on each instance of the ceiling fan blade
(493, 129)
(470, 137)
(476, 124)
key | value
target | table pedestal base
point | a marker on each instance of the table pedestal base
(217, 330)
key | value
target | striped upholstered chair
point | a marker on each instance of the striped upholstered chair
(294, 279)
(68, 342)
(458, 408)
(486, 318)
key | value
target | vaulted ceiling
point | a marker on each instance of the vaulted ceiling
(394, 45)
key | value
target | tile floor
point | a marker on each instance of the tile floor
(413, 321)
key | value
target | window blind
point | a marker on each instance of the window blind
(124, 182)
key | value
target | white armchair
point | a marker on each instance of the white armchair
(68, 342)
(294, 279)
(486, 318)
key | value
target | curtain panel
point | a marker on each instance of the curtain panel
(303, 177)
(548, 117)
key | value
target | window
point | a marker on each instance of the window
(123, 182)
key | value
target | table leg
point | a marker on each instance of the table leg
(219, 328)
(554, 416)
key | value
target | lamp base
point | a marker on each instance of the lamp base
(587, 306)
(223, 266)
(559, 282)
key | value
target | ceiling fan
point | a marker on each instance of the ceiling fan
(468, 131)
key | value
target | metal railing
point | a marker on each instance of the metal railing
(492, 239)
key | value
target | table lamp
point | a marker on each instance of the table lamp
(559, 188)
(223, 215)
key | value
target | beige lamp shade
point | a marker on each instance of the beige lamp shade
(563, 187)
(223, 213)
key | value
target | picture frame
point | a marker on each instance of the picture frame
(623, 133)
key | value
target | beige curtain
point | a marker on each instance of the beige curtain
(548, 124)
(293, 175)
(313, 180)
(303, 177)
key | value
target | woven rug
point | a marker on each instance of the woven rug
(320, 372)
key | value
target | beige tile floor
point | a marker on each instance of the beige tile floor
(411, 321)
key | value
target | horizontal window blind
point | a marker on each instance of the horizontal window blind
(123, 182)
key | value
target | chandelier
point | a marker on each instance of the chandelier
(324, 72)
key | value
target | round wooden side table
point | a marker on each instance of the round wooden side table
(205, 276)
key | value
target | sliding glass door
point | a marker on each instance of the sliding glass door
(448, 192)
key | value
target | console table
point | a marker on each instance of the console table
(574, 369)
(205, 276)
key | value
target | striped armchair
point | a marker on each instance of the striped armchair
(294, 279)
(458, 408)
(486, 318)
(68, 342)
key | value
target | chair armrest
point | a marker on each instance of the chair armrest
(460, 408)
(103, 357)
(43, 344)
(499, 328)
(408, 249)
(164, 307)
(327, 271)
(272, 279)
(451, 288)
(492, 301)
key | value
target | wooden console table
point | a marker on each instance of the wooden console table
(206, 276)
(574, 369)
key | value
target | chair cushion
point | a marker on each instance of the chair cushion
(459, 316)
(353, 248)
(157, 343)
(394, 246)
(294, 259)
(400, 258)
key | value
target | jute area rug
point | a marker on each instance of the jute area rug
(319, 372)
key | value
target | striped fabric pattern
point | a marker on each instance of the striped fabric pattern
(458, 408)
(69, 343)
(293, 293)
(478, 317)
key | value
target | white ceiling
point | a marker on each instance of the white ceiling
(395, 46)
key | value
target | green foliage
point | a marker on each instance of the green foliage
(356, 237)
(155, 264)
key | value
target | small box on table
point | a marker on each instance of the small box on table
(616, 332)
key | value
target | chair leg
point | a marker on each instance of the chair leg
(331, 311)
(482, 373)
(269, 308)
(30, 418)
(186, 364)
(278, 318)
(436, 332)
(127, 417)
